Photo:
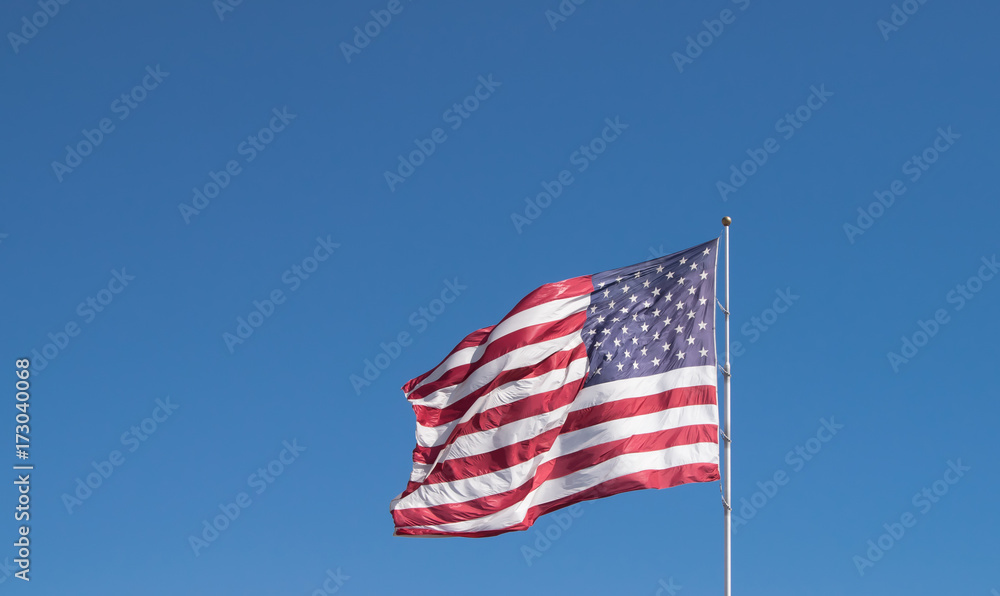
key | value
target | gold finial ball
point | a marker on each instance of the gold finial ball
(726, 221)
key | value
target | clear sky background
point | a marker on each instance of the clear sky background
(848, 297)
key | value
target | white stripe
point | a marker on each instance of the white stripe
(547, 312)
(588, 397)
(520, 389)
(529, 355)
(461, 490)
(581, 480)
(689, 376)
(431, 436)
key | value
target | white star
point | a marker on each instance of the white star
(635, 317)
(690, 340)
(592, 332)
(680, 355)
(618, 279)
(679, 329)
(620, 366)
(694, 266)
(692, 290)
(623, 310)
(656, 336)
(680, 305)
(684, 260)
(681, 281)
(607, 293)
(600, 319)
(618, 343)
(702, 301)
(611, 304)
(647, 304)
(607, 355)
(670, 274)
(597, 344)
(636, 275)
(703, 352)
(701, 325)
(656, 313)
(606, 331)
(656, 361)
(598, 371)
(615, 320)
(668, 297)
(633, 298)
(645, 284)
(656, 291)
(665, 347)
(635, 365)
(643, 351)
(600, 285)
(625, 288)
(635, 340)
(707, 251)
(624, 330)
(593, 308)
(645, 327)
(703, 275)
(627, 355)
(691, 315)
(666, 321)
(659, 269)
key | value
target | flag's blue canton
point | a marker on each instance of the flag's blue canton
(653, 317)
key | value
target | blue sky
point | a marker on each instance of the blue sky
(134, 284)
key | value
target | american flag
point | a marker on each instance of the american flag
(589, 387)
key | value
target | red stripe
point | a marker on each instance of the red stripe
(577, 286)
(432, 417)
(504, 457)
(523, 451)
(557, 468)
(568, 288)
(475, 338)
(518, 339)
(640, 480)
(699, 395)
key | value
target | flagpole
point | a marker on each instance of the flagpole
(727, 441)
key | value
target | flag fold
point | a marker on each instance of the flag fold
(589, 387)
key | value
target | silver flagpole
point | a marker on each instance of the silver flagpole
(726, 434)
